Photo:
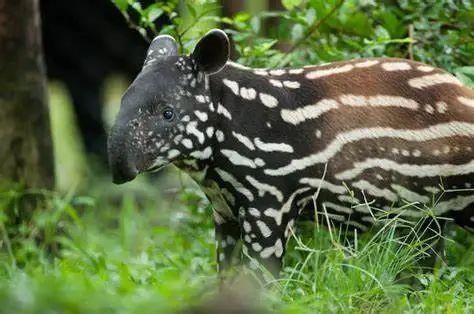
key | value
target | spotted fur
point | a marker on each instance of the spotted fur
(267, 145)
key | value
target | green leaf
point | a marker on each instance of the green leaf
(191, 10)
(291, 4)
(465, 75)
(122, 5)
(154, 12)
(310, 16)
(255, 23)
(297, 32)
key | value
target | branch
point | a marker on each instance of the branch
(411, 34)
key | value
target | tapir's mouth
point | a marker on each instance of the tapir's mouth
(157, 165)
(155, 168)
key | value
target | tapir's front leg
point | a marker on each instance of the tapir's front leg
(265, 233)
(227, 237)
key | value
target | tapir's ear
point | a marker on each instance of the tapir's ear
(212, 51)
(162, 46)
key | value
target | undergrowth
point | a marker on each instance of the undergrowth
(132, 254)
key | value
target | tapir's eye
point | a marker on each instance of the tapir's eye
(168, 114)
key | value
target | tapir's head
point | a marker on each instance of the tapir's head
(155, 125)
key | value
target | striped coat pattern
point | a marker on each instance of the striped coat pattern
(353, 140)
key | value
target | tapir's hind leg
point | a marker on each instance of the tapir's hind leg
(465, 217)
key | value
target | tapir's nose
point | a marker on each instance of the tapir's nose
(121, 158)
(123, 173)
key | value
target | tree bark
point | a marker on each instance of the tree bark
(26, 153)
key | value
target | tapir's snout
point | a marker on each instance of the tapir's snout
(123, 173)
(121, 157)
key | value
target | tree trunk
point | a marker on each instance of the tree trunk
(25, 141)
(230, 8)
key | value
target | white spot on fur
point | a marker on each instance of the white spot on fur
(348, 199)
(425, 68)
(323, 184)
(366, 64)
(273, 147)
(201, 115)
(256, 247)
(264, 230)
(223, 111)
(204, 154)
(247, 238)
(248, 93)
(210, 131)
(338, 208)
(327, 72)
(291, 84)
(219, 136)
(227, 177)
(433, 79)
(378, 101)
(263, 188)
(441, 106)
(237, 159)
(259, 162)
(191, 129)
(302, 114)
(247, 226)
(200, 99)
(173, 153)
(276, 249)
(260, 72)
(268, 100)
(276, 83)
(254, 212)
(277, 72)
(296, 71)
(244, 140)
(233, 85)
(429, 108)
(187, 143)
(396, 66)
(375, 191)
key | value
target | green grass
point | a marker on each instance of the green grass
(149, 248)
(131, 253)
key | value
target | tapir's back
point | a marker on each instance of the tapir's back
(392, 128)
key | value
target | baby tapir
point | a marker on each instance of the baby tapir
(262, 142)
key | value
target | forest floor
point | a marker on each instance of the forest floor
(122, 251)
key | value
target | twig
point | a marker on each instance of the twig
(136, 27)
(411, 33)
(311, 30)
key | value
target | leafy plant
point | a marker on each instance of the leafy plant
(312, 31)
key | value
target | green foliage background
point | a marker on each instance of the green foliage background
(440, 33)
(149, 247)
